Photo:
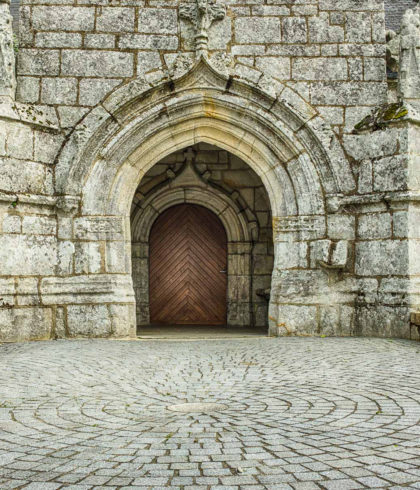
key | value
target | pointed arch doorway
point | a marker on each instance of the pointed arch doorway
(188, 265)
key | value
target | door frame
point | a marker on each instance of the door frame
(239, 231)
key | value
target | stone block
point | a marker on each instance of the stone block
(7, 293)
(157, 21)
(290, 255)
(220, 34)
(87, 289)
(383, 321)
(115, 19)
(70, 116)
(27, 255)
(250, 30)
(320, 30)
(372, 226)
(88, 321)
(358, 27)
(278, 67)
(99, 228)
(65, 255)
(58, 40)
(373, 144)
(238, 314)
(19, 141)
(355, 5)
(59, 91)
(61, 18)
(38, 62)
(341, 227)
(148, 60)
(27, 293)
(117, 257)
(319, 69)
(39, 225)
(88, 258)
(99, 41)
(294, 30)
(374, 69)
(26, 177)
(60, 323)
(239, 288)
(12, 224)
(332, 115)
(27, 89)
(349, 93)
(390, 174)
(381, 258)
(365, 178)
(46, 146)
(96, 63)
(148, 41)
(26, 323)
(296, 320)
(355, 68)
(123, 320)
(93, 90)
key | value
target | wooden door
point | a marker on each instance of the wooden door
(188, 256)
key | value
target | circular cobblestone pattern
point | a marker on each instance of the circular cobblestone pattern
(300, 414)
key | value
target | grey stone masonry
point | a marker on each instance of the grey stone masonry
(313, 168)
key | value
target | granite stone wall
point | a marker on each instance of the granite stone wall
(295, 90)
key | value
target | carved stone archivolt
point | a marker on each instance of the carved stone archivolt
(202, 14)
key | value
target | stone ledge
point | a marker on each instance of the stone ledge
(337, 203)
(34, 115)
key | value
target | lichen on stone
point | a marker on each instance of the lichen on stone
(382, 116)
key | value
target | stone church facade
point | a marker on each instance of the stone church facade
(276, 116)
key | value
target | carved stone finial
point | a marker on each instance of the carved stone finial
(7, 55)
(202, 14)
(409, 79)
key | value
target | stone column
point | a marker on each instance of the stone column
(7, 55)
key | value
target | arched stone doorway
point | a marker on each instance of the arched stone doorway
(298, 158)
(208, 176)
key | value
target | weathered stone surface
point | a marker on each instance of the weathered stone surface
(50, 18)
(88, 320)
(97, 63)
(257, 30)
(59, 91)
(157, 21)
(381, 258)
(374, 226)
(19, 324)
(300, 148)
(38, 62)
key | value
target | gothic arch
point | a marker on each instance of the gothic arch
(282, 138)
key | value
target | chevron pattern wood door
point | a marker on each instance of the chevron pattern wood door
(188, 256)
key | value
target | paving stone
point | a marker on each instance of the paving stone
(109, 426)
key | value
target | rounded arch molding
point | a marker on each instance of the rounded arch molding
(239, 232)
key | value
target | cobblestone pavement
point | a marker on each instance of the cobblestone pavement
(301, 414)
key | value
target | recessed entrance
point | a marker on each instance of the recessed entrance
(188, 267)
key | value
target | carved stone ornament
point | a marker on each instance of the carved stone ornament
(202, 14)
(7, 55)
(181, 65)
(409, 80)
